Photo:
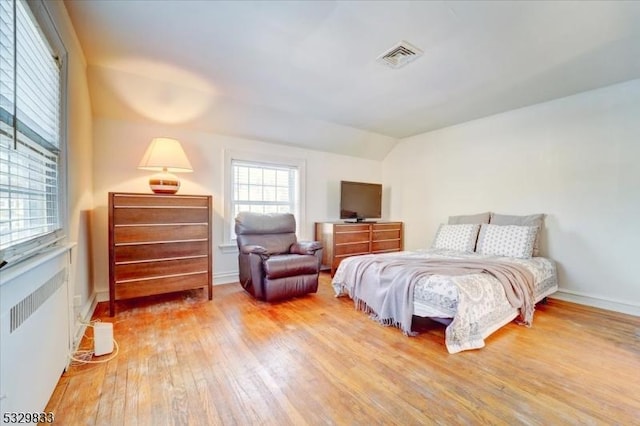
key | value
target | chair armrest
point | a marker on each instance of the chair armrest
(305, 247)
(254, 249)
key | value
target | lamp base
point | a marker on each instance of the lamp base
(164, 183)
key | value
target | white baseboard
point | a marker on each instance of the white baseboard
(597, 302)
(85, 315)
(225, 278)
(102, 296)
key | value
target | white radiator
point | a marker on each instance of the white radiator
(34, 331)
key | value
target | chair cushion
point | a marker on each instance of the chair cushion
(286, 287)
(286, 265)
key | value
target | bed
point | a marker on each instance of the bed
(473, 304)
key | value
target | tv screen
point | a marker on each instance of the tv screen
(359, 200)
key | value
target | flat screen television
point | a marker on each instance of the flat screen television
(360, 201)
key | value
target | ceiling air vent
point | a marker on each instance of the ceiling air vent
(400, 55)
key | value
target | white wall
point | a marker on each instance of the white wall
(575, 159)
(79, 147)
(119, 145)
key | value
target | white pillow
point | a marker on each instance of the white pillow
(456, 237)
(530, 220)
(507, 240)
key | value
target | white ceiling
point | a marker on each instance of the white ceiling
(305, 73)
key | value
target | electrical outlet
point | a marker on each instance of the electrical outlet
(77, 301)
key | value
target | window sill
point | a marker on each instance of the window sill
(28, 264)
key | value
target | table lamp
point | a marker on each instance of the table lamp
(165, 155)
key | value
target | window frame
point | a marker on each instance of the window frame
(16, 253)
(259, 158)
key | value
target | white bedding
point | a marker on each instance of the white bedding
(476, 303)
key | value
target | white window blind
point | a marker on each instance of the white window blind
(30, 141)
(263, 188)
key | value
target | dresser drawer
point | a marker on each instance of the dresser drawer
(387, 226)
(154, 200)
(392, 234)
(159, 215)
(351, 249)
(127, 290)
(138, 252)
(158, 268)
(159, 232)
(351, 228)
(384, 246)
(351, 237)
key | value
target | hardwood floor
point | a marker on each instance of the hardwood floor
(316, 360)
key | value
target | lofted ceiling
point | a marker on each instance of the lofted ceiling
(304, 73)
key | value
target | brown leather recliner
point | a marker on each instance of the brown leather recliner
(273, 264)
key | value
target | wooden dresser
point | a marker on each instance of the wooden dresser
(342, 240)
(158, 244)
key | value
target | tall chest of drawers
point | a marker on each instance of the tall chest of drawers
(341, 240)
(158, 244)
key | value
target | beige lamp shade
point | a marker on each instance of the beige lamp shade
(167, 156)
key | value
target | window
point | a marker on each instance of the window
(263, 188)
(31, 145)
(271, 185)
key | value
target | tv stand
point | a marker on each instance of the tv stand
(360, 221)
(341, 240)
